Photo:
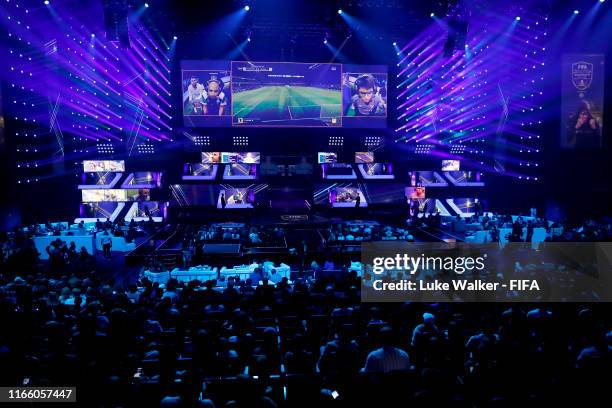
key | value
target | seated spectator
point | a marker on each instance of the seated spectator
(387, 357)
(339, 357)
(254, 238)
(423, 332)
(247, 287)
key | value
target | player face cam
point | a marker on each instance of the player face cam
(213, 90)
(366, 94)
(194, 82)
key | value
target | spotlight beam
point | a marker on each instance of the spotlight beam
(241, 49)
(333, 58)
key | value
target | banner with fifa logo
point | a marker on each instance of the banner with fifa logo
(582, 100)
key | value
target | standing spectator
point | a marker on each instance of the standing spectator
(274, 276)
(107, 244)
(187, 254)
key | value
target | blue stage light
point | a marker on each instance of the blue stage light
(339, 11)
(394, 43)
(147, 5)
(92, 35)
(517, 18)
(325, 41)
(576, 11)
(432, 14)
(249, 39)
(175, 37)
(47, 2)
(247, 8)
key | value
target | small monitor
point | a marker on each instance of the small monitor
(415, 192)
(450, 165)
(364, 157)
(94, 166)
(240, 157)
(211, 157)
(327, 157)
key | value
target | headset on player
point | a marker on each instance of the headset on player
(366, 81)
(210, 81)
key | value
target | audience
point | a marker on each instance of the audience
(350, 232)
(141, 343)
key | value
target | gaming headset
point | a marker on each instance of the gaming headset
(362, 80)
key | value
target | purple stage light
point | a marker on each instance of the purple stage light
(460, 95)
(109, 94)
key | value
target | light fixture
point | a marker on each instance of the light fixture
(247, 8)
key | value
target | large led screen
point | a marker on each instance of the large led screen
(283, 94)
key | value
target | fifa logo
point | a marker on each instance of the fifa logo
(582, 75)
